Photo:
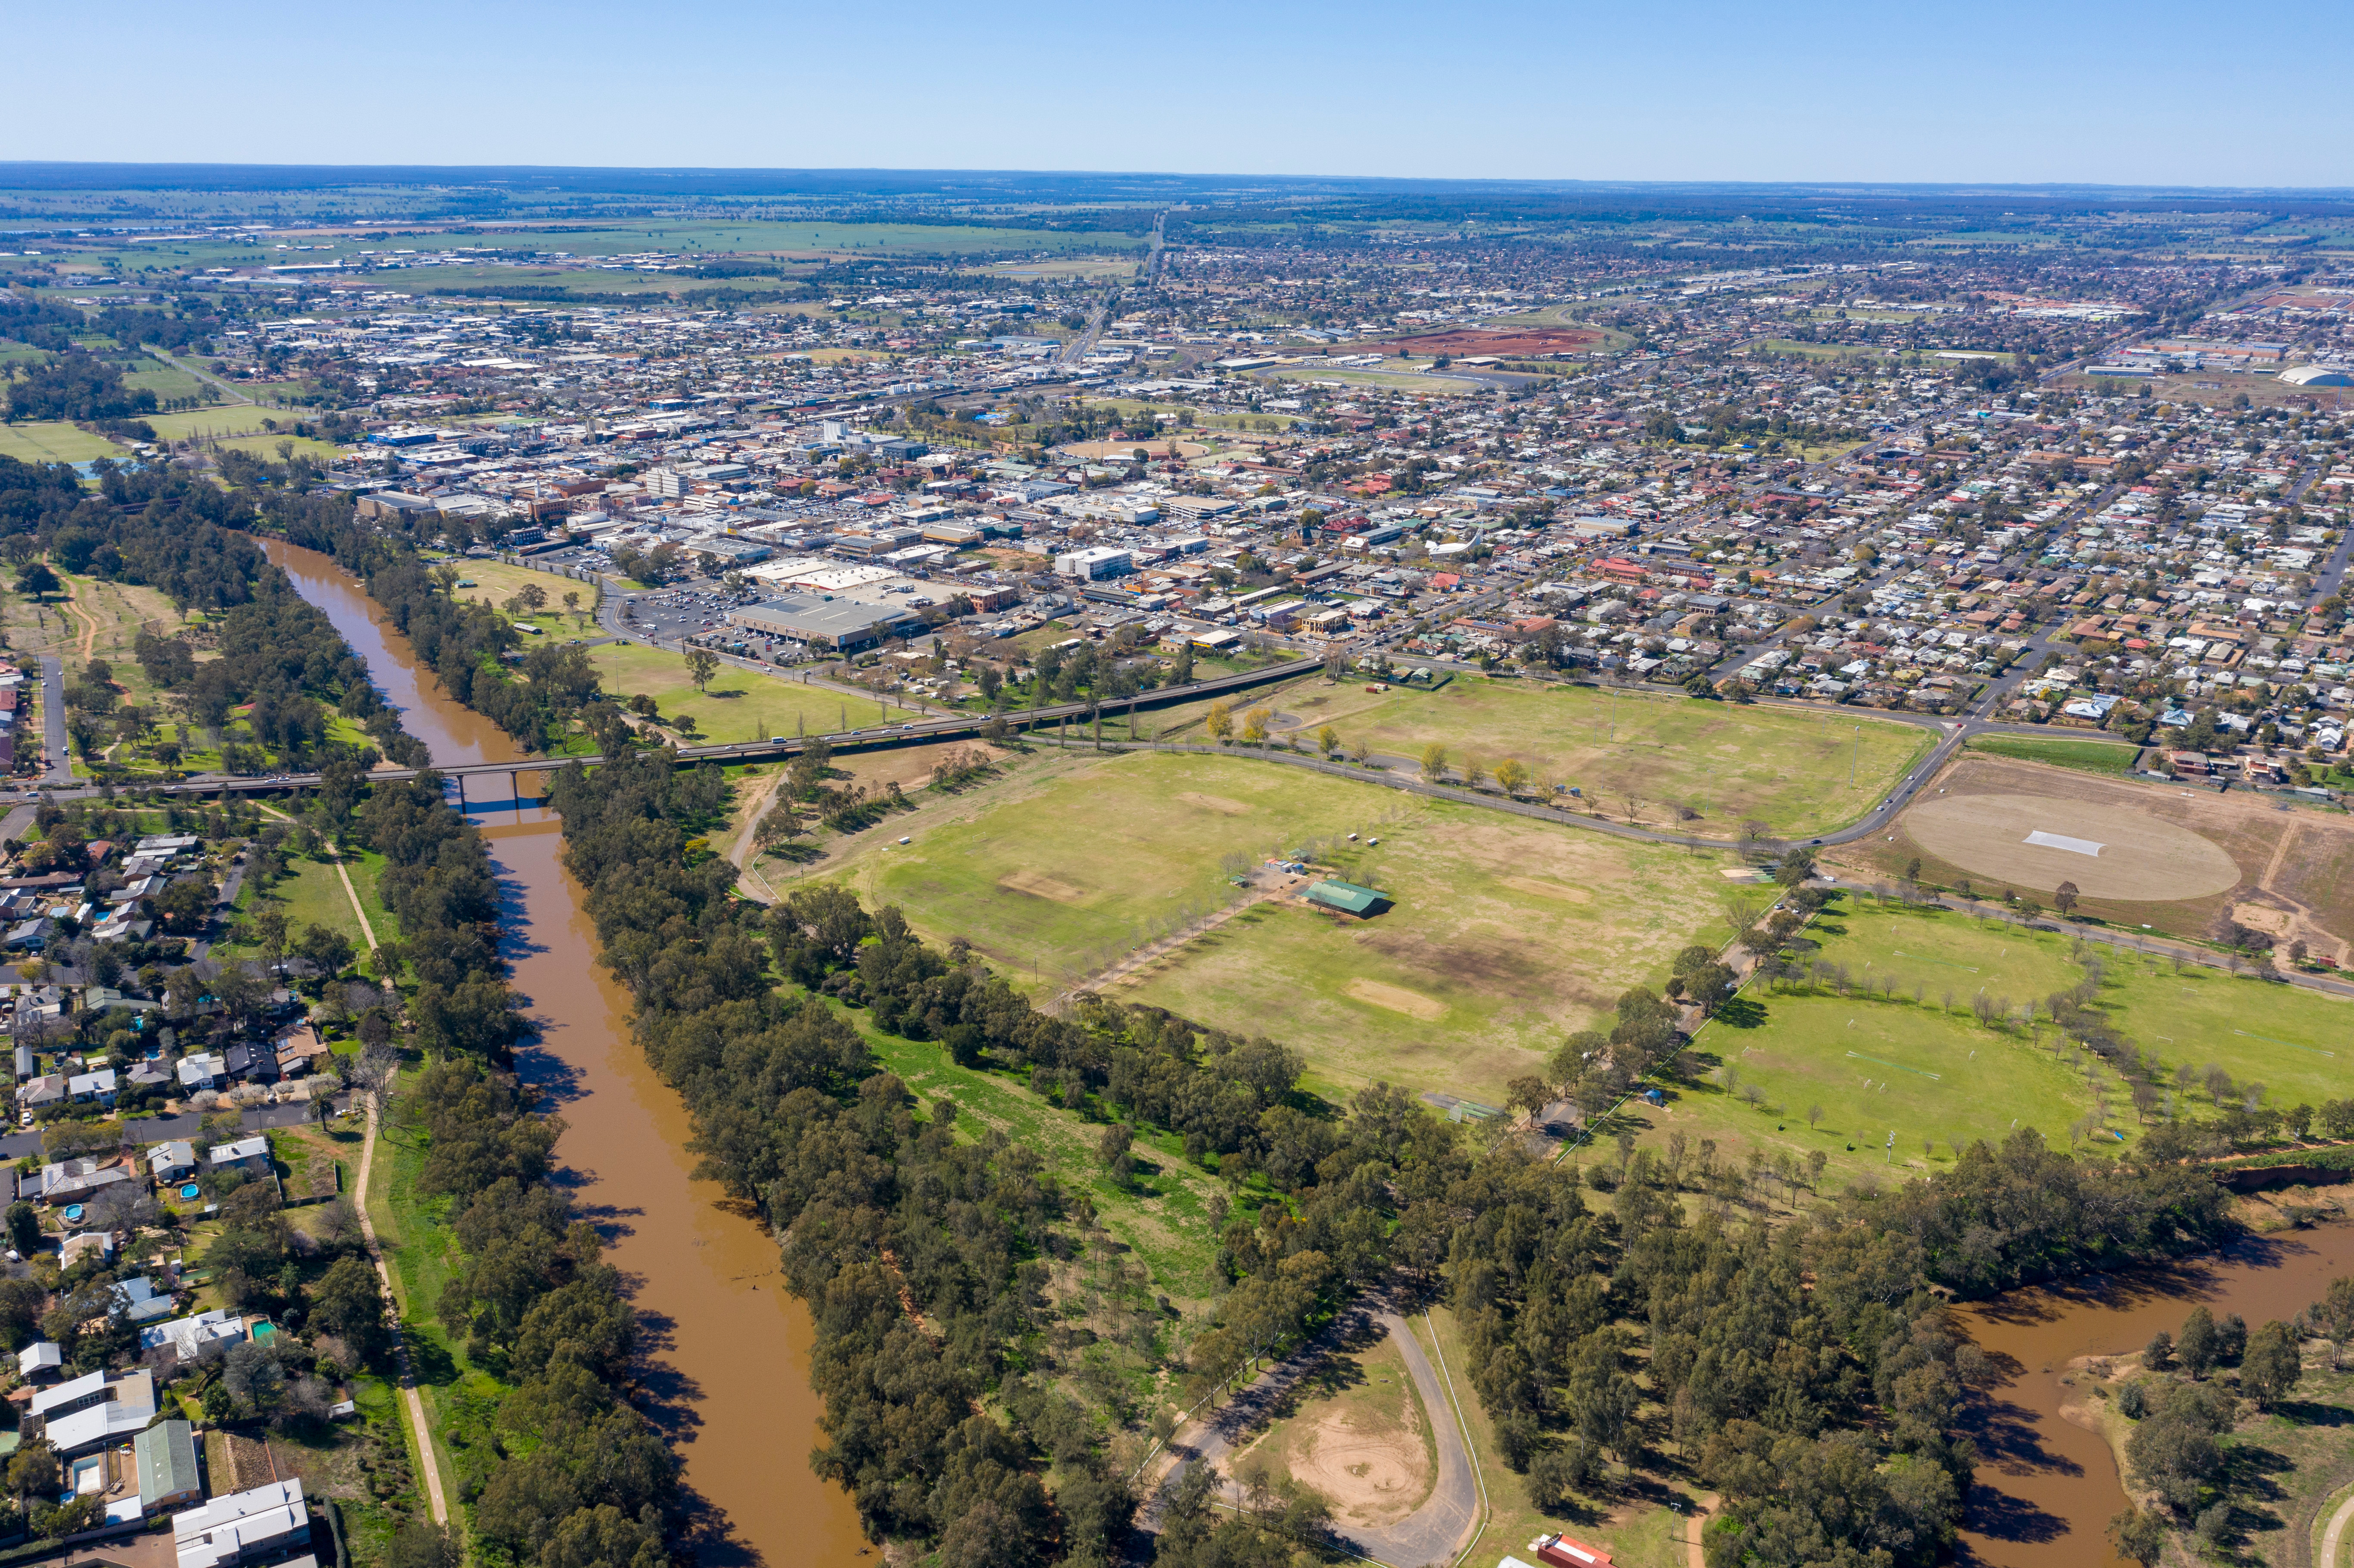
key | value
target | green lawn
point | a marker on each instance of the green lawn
(739, 705)
(1940, 952)
(460, 1398)
(1164, 1218)
(169, 381)
(1727, 761)
(1876, 1067)
(54, 440)
(2114, 758)
(226, 419)
(2298, 1044)
(1505, 936)
(1869, 1062)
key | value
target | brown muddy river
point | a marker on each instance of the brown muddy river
(728, 1347)
(2046, 1488)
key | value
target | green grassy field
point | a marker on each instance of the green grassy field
(1920, 1064)
(225, 420)
(460, 1398)
(169, 381)
(1940, 952)
(1876, 1067)
(2298, 1044)
(1729, 762)
(1506, 935)
(739, 705)
(495, 582)
(54, 440)
(1164, 1217)
(313, 895)
(2114, 758)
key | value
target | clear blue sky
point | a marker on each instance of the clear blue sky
(2159, 92)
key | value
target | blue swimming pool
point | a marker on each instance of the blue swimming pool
(192, 1191)
(73, 1214)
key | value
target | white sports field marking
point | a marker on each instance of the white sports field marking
(2062, 842)
(2290, 1044)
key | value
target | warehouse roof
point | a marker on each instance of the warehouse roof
(821, 618)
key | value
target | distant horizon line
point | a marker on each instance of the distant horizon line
(101, 174)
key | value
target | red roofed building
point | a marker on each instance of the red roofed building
(1563, 1552)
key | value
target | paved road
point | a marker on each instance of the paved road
(1433, 1533)
(53, 722)
(2334, 1540)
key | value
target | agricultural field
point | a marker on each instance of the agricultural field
(740, 705)
(1505, 936)
(1635, 755)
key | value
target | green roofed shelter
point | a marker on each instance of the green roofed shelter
(1348, 897)
(166, 1455)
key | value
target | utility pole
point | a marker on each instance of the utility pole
(1852, 759)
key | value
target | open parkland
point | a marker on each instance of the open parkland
(1907, 1018)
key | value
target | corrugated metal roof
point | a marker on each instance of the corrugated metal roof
(167, 1461)
(1347, 895)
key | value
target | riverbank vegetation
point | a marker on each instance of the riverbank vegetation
(1641, 1337)
(988, 1382)
(527, 1355)
(2230, 1438)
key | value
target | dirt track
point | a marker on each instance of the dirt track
(2163, 848)
(2134, 855)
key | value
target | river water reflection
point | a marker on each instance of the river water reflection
(728, 1350)
(2047, 1487)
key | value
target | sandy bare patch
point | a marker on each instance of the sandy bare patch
(1397, 999)
(2107, 851)
(1373, 1478)
(1533, 886)
(1217, 803)
(1039, 885)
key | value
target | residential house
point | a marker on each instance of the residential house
(191, 1336)
(90, 1411)
(165, 1455)
(172, 1161)
(79, 1179)
(41, 1359)
(300, 1050)
(139, 1301)
(203, 1070)
(41, 1093)
(99, 1087)
(266, 1524)
(249, 1154)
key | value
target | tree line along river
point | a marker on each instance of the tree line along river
(728, 1348)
